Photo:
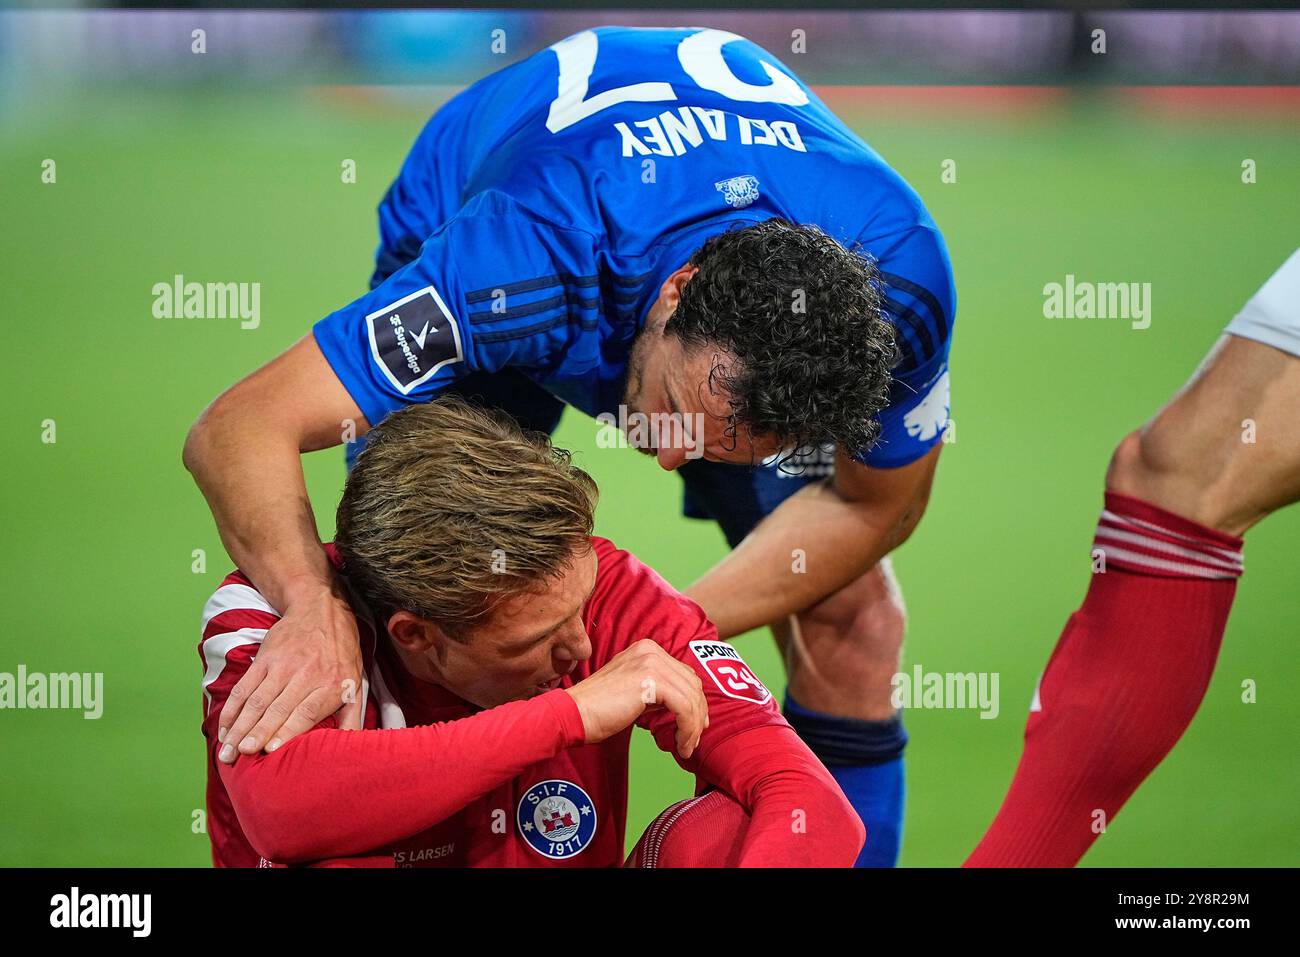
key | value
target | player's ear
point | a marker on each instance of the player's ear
(671, 290)
(414, 633)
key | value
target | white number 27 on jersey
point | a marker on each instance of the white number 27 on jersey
(700, 55)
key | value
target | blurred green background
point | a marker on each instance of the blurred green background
(100, 527)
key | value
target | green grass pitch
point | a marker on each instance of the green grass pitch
(100, 527)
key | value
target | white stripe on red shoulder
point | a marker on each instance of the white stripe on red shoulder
(218, 647)
(215, 648)
(232, 597)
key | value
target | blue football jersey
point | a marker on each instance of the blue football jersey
(541, 209)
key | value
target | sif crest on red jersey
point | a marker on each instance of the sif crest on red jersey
(556, 818)
(729, 671)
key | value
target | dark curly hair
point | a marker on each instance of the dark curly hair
(803, 316)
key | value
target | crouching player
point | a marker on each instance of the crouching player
(507, 656)
(1135, 661)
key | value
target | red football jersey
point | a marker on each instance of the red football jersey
(447, 783)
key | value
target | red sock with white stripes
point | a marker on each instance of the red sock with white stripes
(1122, 685)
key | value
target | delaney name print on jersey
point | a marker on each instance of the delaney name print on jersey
(677, 129)
(413, 338)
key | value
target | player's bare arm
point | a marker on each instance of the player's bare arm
(835, 530)
(245, 454)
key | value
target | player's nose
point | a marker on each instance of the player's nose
(670, 458)
(569, 653)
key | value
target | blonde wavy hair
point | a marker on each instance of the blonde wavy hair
(451, 508)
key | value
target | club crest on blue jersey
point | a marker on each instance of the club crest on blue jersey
(738, 191)
(930, 416)
(556, 818)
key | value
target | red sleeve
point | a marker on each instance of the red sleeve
(332, 793)
(799, 817)
(632, 602)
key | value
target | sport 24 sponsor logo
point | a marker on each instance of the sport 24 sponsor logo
(729, 671)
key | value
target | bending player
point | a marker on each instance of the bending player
(1135, 661)
(507, 655)
(658, 223)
